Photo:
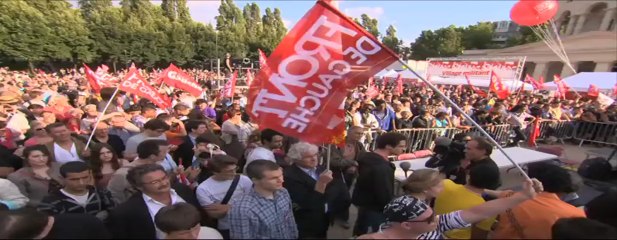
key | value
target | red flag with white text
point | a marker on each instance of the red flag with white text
(230, 86)
(593, 91)
(474, 88)
(134, 83)
(325, 54)
(93, 79)
(175, 77)
(497, 86)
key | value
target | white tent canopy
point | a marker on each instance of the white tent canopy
(605, 81)
(484, 83)
(388, 73)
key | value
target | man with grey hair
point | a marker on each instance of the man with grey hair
(134, 219)
(309, 189)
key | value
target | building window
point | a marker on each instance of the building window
(502, 26)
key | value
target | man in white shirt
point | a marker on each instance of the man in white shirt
(270, 140)
(64, 148)
(212, 193)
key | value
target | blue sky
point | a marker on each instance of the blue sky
(409, 17)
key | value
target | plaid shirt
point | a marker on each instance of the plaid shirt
(255, 217)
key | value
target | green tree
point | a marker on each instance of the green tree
(444, 42)
(479, 36)
(273, 30)
(526, 36)
(23, 33)
(391, 40)
(231, 29)
(370, 24)
(254, 29)
(87, 7)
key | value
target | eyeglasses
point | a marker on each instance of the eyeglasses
(156, 182)
(428, 220)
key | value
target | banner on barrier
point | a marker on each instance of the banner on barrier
(507, 70)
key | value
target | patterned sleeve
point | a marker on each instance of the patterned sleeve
(243, 223)
(451, 221)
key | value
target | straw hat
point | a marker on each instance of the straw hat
(9, 97)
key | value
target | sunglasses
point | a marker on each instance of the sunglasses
(428, 220)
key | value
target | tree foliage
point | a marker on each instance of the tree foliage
(51, 33)
(370, 24)
(391, 40)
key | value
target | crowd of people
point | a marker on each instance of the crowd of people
(203, 170)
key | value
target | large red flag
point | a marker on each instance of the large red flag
(175, 77)
(497, 86)
(93, 79)
(134, 83)
(474, 88)
(325, 54)
(230, 86)
(399, 85)
(593, 91)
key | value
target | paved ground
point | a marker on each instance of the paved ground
(510, 179)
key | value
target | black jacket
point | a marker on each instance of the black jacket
(375, 185)
(132, 219)
(184, 152)
(492, 166)
(99, 200)
(77, 226)
(309, 206)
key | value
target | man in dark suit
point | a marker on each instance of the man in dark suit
(308, 187)
(185, 150)
(134, 219)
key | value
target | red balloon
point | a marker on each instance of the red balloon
(533, 12)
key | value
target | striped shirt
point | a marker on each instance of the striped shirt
(253, 216)
(447, 222)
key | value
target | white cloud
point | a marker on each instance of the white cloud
(204, 11)
(373, 12)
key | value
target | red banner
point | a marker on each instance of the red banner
(497, 86)
(175, 77)
(478, 69)
(311, 69)
(93, 79)
(134, 83)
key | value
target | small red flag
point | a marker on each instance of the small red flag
(593, 91)
(134, 83)
(249, 77)
(535, 134)
(497, 86)
(93, 79)
(230, 87)
(562, 87)
(175, 77)
(399, 85)
(476, 90)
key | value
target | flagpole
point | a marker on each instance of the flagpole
(98, 119)
(329, 156)
(474, 123)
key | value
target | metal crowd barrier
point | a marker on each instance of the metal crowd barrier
(559, 129)
(596, 132)
(423, 138)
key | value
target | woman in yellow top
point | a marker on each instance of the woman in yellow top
(449, 197)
